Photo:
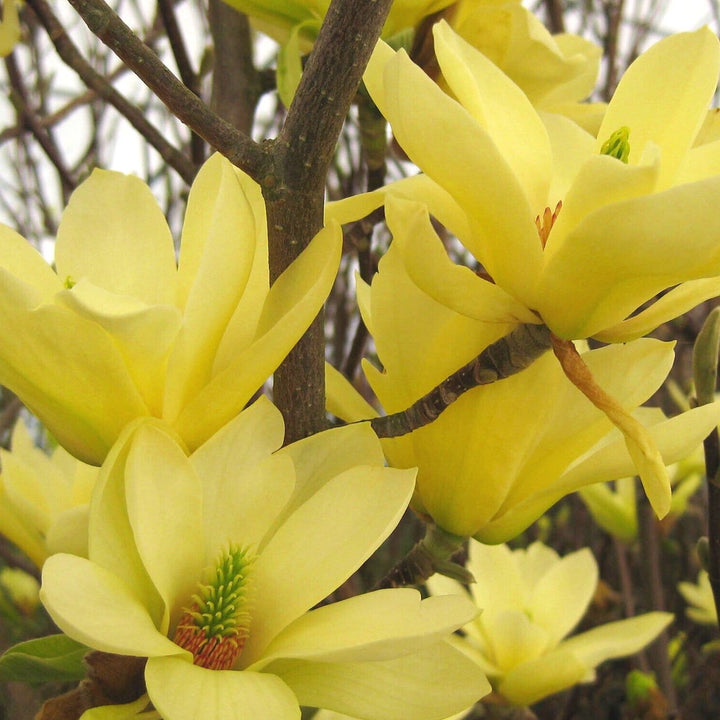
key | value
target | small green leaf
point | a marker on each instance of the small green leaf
(51, 658)
(289, 60)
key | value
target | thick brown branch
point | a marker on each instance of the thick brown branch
(185, 105)
(505, 357)
(301, 157)
(72, 57)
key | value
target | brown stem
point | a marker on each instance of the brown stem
(430, 555)
(72, 57)
(555, 16)
(183, 103)
(505, 357)
(294, 196)
(236, 84)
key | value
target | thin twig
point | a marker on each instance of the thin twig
(72, 57)
(183, 103)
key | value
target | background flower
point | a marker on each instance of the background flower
(531, 599)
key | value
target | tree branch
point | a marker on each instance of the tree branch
(184, 104)
(301, 157)
(72, 57)
(505, 357)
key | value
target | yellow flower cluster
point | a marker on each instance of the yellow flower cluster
(209, 547)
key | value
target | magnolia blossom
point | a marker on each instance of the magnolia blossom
(208, 565)
(570, 230)
(501, 454)
(43, 498)
(531, 600)
(570, 234)
(119, 329)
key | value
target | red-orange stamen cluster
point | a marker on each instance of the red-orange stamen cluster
(544, 225)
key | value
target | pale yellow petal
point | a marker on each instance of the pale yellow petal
(183, 691)
(114, 234)
(343, 400)
(216, 256)
(664, 95)
(316, 549)
(72, 591)
(426, 685)
(375, 626)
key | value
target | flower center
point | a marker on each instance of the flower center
(545, 222)
(618, 145)
(217, 623)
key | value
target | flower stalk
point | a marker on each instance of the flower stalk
(705, 366)
(503, 358)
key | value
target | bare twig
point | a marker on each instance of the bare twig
(183, 103)
(69, 53)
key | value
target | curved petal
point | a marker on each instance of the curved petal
(375, 626)
(676, 438)
(623, 254)
(68, 372)
(451, 285)
(500, 107)
(20, 259)
(237, 470)
(504, 233)
(343, 400)
(111, 543)
(664, 95)
(293, 302)
(217, 251)
(114, 234)
(144, 334)
(426, 685)
(536, 679)
(183, 691)
(672, 304)
(316, 549)
(563, 594)
(617, 639)
(164, 505)
(419, 188)
(323, 456)
(73, 589)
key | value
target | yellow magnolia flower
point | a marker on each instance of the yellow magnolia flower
(625, 230)
(531, 600)
(699, 597)
(120, 330)
(209, 565)
(576, 232)
(43, 499)
(9, 27)
(501, 454)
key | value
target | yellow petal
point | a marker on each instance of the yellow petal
(216, 256)
(184, 691)
(664, 95)
(114, 234)
(293, 302)
(426, 685)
